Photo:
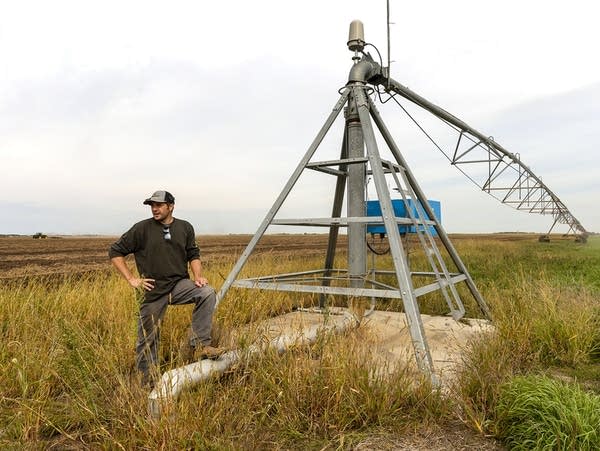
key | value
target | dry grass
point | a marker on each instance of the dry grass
(66, 359)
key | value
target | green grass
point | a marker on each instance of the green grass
(547, 316)
(539, 413)
(67, 377)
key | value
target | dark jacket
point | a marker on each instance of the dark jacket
(165, 260)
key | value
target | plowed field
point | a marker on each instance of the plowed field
(25, 256)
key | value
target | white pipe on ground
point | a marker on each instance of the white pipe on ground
(174, 381)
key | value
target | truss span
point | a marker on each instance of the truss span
(485, 162)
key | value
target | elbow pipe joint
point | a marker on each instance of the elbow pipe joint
(364, 70)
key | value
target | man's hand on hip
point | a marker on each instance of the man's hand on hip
(146, 284)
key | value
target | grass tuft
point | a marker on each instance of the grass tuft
(536, 412)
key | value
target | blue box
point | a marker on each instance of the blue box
(374, 209)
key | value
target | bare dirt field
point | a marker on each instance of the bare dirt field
(25, 256)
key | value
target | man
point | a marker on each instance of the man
(163, 246)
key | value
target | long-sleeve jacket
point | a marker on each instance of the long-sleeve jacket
(161, 252)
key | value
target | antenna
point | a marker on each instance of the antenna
(356, 36)
(389, 66)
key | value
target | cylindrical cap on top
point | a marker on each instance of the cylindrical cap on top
(356, 36)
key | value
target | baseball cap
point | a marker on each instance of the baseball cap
(160, 196)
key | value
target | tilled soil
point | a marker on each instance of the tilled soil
(25, 256)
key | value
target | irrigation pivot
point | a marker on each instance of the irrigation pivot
(441, 270)
(360, 157)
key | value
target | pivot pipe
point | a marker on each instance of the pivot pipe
(173, 382)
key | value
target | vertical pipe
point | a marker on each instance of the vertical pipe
(357, 239)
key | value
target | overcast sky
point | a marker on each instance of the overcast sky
(102, 103)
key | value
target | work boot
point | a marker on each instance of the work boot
(208, 352)
(189, 353)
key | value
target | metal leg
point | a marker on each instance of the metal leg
(421, 196)
(282, 196)
(553, 224)
(411, 308)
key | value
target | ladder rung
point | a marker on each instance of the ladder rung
(337, 162)
(324, 222)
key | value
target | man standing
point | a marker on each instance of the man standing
(163, 246)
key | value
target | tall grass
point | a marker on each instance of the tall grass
(68, 379)
(543, 319)
(67, 376)
(541, 413)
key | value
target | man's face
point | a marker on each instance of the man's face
(161, 210)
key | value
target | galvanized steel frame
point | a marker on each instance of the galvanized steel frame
(497, 172)
(331, 281)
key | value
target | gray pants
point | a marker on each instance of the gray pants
(151, 314)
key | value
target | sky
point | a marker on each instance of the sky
(102, 103)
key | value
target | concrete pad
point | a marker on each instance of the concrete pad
(388, 332)
(446, 338)
(388, 340)
(292, 324)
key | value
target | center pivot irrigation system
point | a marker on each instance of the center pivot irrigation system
(506, 177)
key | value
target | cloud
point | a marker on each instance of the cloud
(219, 102)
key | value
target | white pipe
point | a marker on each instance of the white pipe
(174, 381)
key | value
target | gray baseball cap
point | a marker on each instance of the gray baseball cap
(160, 196)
